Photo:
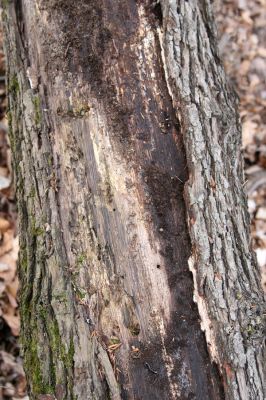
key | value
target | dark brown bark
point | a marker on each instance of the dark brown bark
(98, 124)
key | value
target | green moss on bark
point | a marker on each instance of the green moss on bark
(33, 367)
(13, 86)
(37, 109)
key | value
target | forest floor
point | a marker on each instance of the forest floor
(12, 378)
(242, 38)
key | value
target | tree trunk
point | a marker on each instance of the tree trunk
(126, 151)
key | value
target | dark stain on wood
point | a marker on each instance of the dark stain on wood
(103, 46)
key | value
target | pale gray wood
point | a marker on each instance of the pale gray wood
(102, 96)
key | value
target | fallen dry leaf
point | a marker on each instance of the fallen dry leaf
(4, 225)
(248, 130)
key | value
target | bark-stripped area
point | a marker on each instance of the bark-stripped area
(226, 279)
(102, 95)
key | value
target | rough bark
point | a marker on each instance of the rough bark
(227, 288)
(106, 98)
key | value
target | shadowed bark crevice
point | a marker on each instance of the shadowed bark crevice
(101, 164)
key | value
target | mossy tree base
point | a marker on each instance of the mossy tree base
(116, 108)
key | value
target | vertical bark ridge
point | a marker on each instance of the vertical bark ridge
(106, 298)
(226, 280)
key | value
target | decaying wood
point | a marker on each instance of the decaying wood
(227, 288)
(106, 98)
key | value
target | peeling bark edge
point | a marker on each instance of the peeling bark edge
(183, 97)
(226, 278)
(59, 359)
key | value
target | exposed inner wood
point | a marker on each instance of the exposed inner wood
(98, 118)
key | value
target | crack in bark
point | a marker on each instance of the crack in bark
(220, 206)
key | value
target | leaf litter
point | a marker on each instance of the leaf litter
(12, 377)
(242, 41)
